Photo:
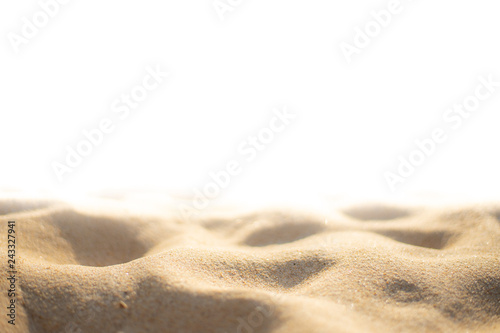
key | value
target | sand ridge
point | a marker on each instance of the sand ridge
(365, 268)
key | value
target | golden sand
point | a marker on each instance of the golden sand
(364, 268)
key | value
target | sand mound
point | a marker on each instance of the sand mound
(372, 268)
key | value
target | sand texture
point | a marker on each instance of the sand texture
(362, 268)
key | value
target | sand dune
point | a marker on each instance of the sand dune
(363, 268)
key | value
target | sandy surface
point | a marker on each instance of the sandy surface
(362, 268)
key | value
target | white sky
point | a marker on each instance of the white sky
(353, 120)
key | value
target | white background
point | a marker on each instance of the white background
(353, 120)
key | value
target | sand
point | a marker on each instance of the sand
(106, 267)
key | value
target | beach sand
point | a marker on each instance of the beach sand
(105, 267)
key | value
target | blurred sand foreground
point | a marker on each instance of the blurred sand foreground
(364, 268)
